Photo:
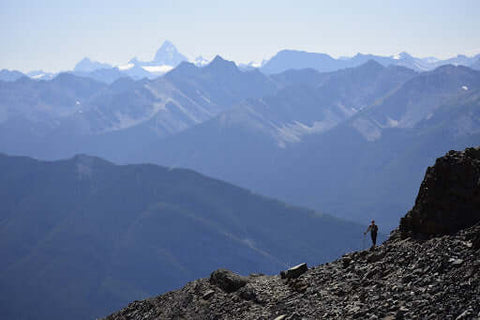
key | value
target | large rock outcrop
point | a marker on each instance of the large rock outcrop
(449, 196)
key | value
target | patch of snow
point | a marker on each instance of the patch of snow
(38, 76)
(158, 69)
(255, 64)
(392, 123)
(125, 67)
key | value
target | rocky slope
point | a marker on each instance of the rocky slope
(428, 277)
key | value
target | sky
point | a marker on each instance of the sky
(53, 35)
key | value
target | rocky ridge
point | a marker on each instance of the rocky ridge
(432, 276)
(449, 197)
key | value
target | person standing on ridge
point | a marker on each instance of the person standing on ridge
(373, 233)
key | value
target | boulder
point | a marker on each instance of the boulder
(294, 272)
(449, 197)
(227, 280)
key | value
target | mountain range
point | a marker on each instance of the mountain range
(84, 236)
(349, 138)
(342, 142)
(295, 59)
(354, 144)
(168, 57)
(71, 114)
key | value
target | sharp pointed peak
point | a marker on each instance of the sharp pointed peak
(221, 66)
(218, 58)
(219, 61)
(168, 55)
(167, 46)
(167, 43)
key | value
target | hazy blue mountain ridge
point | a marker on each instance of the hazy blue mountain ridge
(367, 165)
(295, 59)
(251, 135)
(286, 135)
(140, 111)
(380, 154)
(168, 57)
(85, 236)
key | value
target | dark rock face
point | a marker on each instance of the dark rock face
(449, 196)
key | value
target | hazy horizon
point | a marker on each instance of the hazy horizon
(54, 35)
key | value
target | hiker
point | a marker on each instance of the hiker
(373, 232)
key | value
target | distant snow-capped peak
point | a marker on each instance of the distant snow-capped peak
(168, 55)
(401, 56)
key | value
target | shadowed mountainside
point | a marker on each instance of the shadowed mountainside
(84, 236)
